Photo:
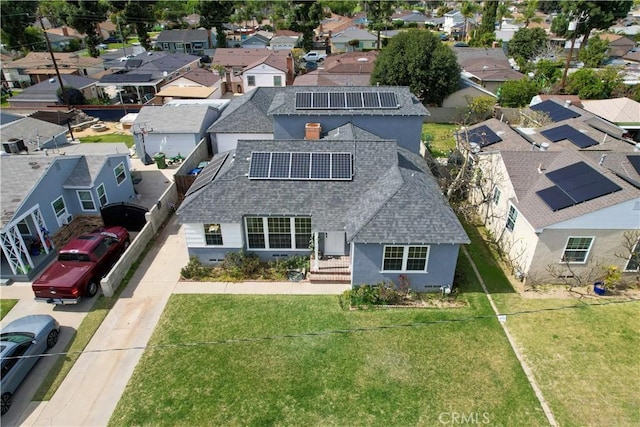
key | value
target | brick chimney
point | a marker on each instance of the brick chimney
(65, 31)
(289, 69)
(312, 131)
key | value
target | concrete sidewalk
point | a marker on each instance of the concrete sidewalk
(90, 392)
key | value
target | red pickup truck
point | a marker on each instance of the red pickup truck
(80, 265)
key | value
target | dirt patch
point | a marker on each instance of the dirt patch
(112, 128)
(80, 224)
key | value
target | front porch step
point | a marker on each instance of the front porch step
(330, 277)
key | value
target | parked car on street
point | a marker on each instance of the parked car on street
(21, 343)
(314, 56)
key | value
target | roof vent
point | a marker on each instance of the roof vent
(52, 80)
(363, 59)
(636, 148)
(567, 103)
(544, 146)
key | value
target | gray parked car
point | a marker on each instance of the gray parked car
(21, 344)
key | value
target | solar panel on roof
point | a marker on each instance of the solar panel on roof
(567, 132)
(483, 136)
(259, 166)
(388, 99)
(579, 182)
(556, 112)
(354, 100)
(371, 100)
(303, 100)
(341, 166)
(208, 174)
(300, 165)
(555, 198)
(635, 162)
(320, 100)
(320, 165)
(280, 165)
(337, 100)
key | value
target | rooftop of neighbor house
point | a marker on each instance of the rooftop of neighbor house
(64, 59)
(172, 118)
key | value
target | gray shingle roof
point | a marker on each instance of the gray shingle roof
(182, 36)
(172, 118)
(247, 114)
(387, 200)
(85, 172)
(30, 130)
(46, 91)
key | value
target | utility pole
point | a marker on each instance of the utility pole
(124, 50)
(573, 26)
(65, 95)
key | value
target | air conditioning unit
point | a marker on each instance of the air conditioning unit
(64, 220)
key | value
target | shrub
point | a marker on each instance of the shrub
(282, 266)
(383, 293)
(241, 265)
(195, 270)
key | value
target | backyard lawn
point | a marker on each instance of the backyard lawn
(6, 305)
(110, 137)
(380, 367)
(440, 137)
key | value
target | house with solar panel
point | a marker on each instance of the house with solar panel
(563, 199)
(340, 180)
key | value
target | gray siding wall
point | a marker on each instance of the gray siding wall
(406, 130)
(441, 267)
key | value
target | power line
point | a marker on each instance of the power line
(330, 332)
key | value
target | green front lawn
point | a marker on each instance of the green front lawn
(6, 305)
(440, 137)
(392, 367)
(109, 137)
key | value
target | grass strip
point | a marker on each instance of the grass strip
(110, 137)
(6, 305)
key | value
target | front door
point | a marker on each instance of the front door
(334, 243)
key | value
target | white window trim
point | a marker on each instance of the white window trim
(93, 202)
(104, 191)
(215, 245)
(274, 81)
(588, 250)
(24, 222)
(124, 172)
(64, 213)
(496, 195)
(405, 257)
(265, 232)
(635, 248)
(249, 78)
(506, 223)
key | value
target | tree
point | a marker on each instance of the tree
(16, 16)
(140, 14)
(214, 14)
(418, 59)
(526, 43)
(84, 15)
(593, 84)
(74, 96)
(485, 34)
(547, 72)
(598, 15)
(34, 39)
(503, 12)
(304, 17)
(379, 13)
(594, 54)
(560, 25)
(517, 93)
(468, 9)
(528, 11)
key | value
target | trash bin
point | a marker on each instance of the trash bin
(160, 160)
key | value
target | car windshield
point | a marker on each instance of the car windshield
(16, 337)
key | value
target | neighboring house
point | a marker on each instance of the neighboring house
(42, 192)
(333, 25)
(488, 67)
(434, 22)
(38, 67)
(338, 183)
(171, 129)
(284, 42)
(411, 17)
(619, 45)
(451, 19)
(256, 40)
(346, 69)
(353, 39)
(200, 83)
(273, 71)
(35, 134)
(142, 76)
(559, 199)
(193, 42)
(108, 30)
(60, 43)
(45, 94)
(623, 112)
(240, 64)
(467, 90)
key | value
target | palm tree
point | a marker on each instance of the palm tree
(528, 11)
(468, 9)
(503, 12)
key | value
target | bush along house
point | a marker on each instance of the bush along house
(333, 184)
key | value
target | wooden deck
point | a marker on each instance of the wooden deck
(331, 269)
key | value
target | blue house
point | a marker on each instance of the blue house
(341, 180)
(43, 191)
